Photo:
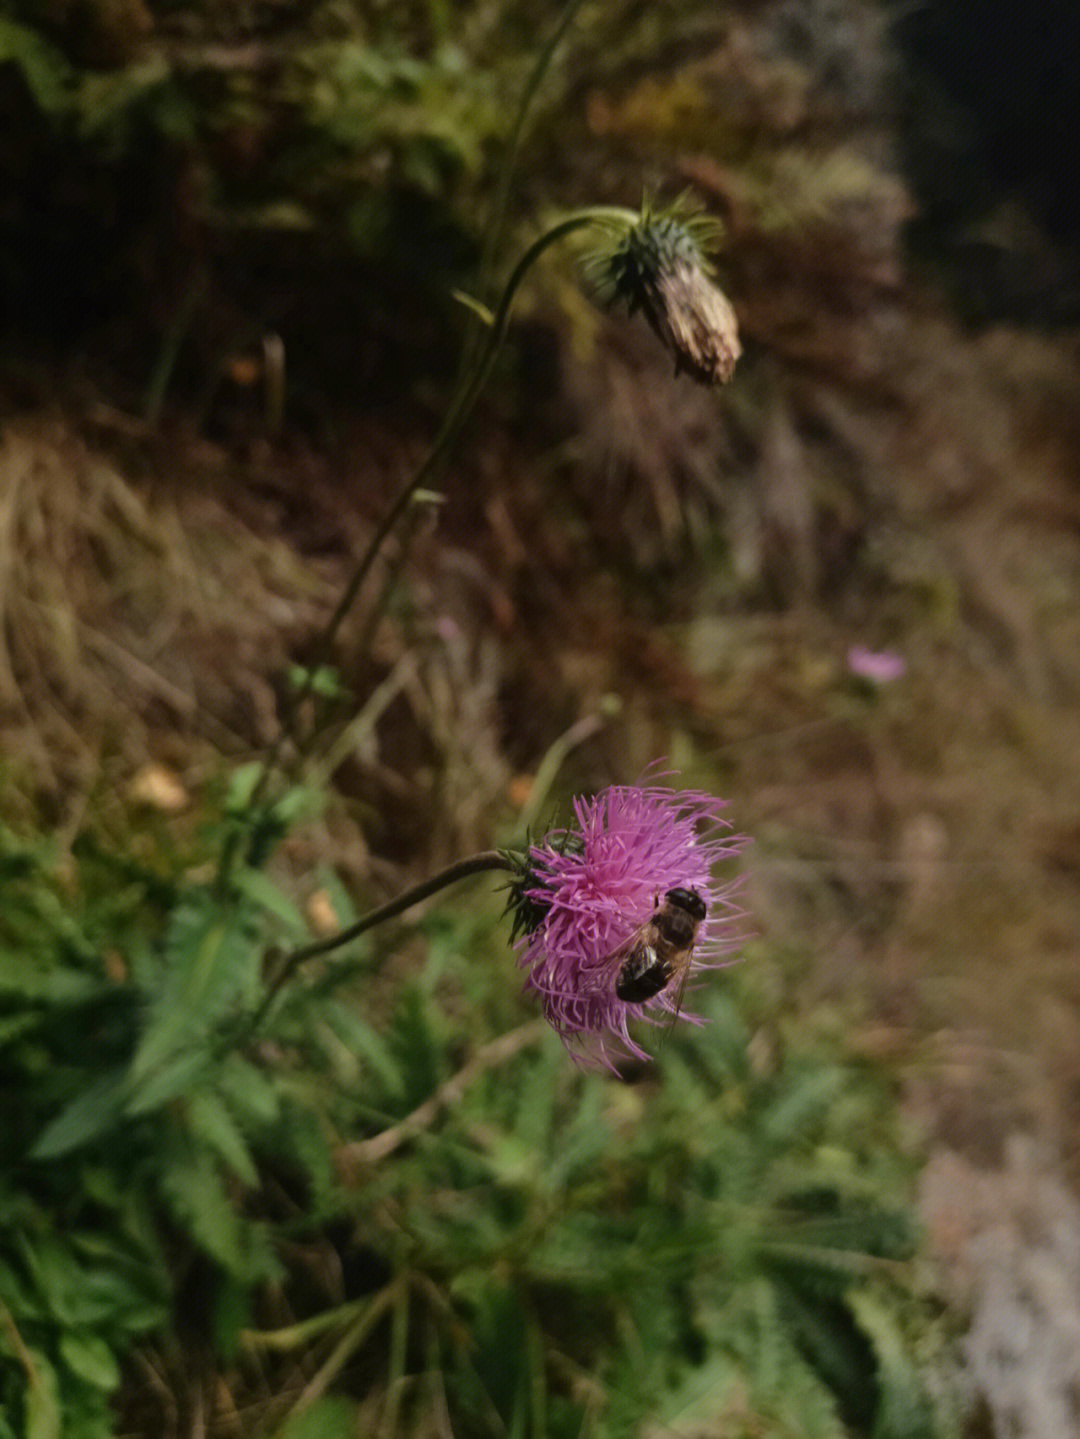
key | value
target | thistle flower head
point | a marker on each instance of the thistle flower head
(658, 265)
(584, 893)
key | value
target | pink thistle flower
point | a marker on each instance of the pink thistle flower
(589, 890)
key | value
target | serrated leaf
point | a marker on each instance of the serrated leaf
(250, 1093)
(195, 1191)
(298, 1138)
(74, 1295)
(416, 1046)
(193, 1188)
(802, 1103)
(212, 965)
(369, 1046)
(211, 1123)
(701, 1395)
(58, 984)
(904, 1411)
(586, 1139)
(175, 1077)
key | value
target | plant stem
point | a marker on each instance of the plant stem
(461, 869)
(460, 409)
(497, 223)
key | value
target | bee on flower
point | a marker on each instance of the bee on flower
(612, 915)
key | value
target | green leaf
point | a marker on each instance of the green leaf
(257, 886)
(90, 1359)
(13, 1025)
(55, 984)
(358, 1035)
(211, 1123)
(47, 73)
(298, 802)
(251, 1095)
(87, 1118)
(193, 1188)
(108, 101)
(325, 681)
(332, 1418)
(242, 787)
(232, 1314)
(42, 1415)
(212, 967)
(195, 1191)
(802, 1103)
(175, 1077)
(298, 1138)
(905, 1411)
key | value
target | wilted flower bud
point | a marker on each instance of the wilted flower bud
(657, 266)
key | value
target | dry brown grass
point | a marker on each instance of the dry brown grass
(141, 621)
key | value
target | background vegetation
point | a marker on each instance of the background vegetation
(229, 242)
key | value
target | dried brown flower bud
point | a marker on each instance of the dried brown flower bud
(696, 322)
(657, 266)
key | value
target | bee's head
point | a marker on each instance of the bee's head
(690, 900)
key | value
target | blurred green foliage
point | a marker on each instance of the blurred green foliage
(331, 119)
(539, 1251)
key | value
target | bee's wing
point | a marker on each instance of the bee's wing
(680, 986)
(675, 991)
(623, 948)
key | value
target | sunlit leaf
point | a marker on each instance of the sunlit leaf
(91, 1359)
(42, 1418)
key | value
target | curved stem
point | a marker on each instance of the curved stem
(461, 869)
(454, 421)
(460, 409)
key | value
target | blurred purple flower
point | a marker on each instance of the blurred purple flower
(880, 667)
(588, 889)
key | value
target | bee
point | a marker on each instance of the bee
(659, 953)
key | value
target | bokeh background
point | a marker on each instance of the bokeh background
(230, 240)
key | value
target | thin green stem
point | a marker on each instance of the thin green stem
(460, 410)
(454, 421)
(497, 223)
(476, 864)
